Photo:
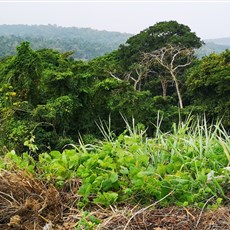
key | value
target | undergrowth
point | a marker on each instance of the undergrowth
(185, 167)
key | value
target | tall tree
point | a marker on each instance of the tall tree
(138, 69)
(155, 37)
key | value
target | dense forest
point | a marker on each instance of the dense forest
(147, 122)
(47, 94)
(85, 43)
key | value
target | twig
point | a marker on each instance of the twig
(197, 223)
(144, 209)
(11, 197)
(189, 213)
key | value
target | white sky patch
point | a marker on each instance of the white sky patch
(207, 19)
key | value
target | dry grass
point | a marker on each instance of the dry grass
(30, 204)
(177, 218)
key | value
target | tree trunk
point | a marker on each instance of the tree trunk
(164, 87)
(177, 89)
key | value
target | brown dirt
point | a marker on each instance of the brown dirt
(27, 203)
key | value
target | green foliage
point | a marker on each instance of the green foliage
(87, 221)
(190, 162)
(15, 133)
(47, 95)
(155, 37)
(60, 167)
(54, 112)
(36, 97)
(25, 70)
(12, 161)
(208, 86)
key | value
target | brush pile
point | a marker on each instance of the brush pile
(28, 203)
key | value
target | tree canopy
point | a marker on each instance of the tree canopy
(155, 37)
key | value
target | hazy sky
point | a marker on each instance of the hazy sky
(207, 19)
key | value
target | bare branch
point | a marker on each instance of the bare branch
(112, 75)
(181, 66)
(174, 57)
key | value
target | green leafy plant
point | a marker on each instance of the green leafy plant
(87, 221)
(190, 163)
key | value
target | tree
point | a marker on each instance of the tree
(155, 37)
(171, 58)
(137, 69)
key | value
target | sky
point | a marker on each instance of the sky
(207, 19)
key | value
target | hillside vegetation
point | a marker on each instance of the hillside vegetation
(85, 43)
(116, 141)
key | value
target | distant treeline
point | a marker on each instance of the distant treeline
(86, 43)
